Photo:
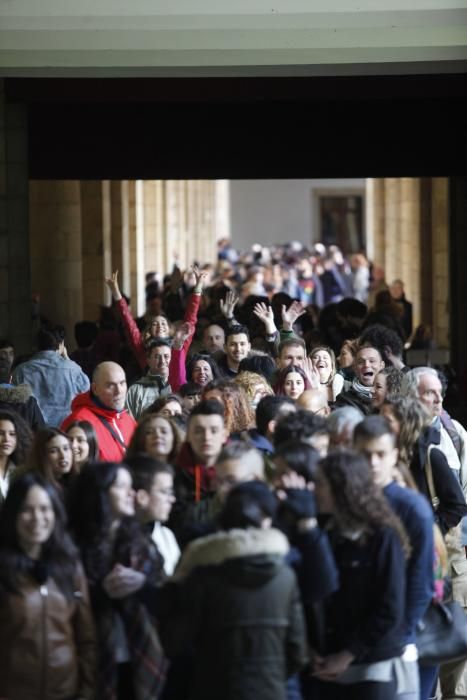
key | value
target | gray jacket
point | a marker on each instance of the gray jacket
(144, 392)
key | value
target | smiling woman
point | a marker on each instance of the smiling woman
(324, 360)
(15, 442)
(51, 456)
(38, 563)
(83, 443)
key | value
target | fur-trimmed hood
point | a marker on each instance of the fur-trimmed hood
(257, 551)
(15, 394)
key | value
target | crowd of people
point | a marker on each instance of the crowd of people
(243, 494)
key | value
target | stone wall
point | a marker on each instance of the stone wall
(81, 231)
(408, 227)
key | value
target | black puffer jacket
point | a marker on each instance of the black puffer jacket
(20, 399)
(236, 601)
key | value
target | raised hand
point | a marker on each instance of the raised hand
(290, 315)
(200, 277)
(112, 283)
(228, 304)
(266, 315)
(176, 279)
(311, 373)
(182, 333)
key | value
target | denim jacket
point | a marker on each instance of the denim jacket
(55, 381)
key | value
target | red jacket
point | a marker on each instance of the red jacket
(123, 425)
(177, 373)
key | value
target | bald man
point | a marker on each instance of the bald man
(104, 407)
(315, 401)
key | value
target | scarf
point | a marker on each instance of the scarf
(366, 391)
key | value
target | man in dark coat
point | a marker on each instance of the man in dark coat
(235, 602)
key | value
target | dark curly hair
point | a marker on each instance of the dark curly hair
(379, 337)
(190, 366)
(238, 415)
(359, 503)
(24, 436)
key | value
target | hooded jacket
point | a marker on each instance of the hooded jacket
(20, 399)
(113, 428)
(144, 392)
(237, 602)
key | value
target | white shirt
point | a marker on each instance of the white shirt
(167, 546)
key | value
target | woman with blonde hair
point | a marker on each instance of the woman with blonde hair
(255, 386)
(324, 361)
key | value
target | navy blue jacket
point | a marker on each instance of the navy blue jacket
(366, 614)
(417, 517)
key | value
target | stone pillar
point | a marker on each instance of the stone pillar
(457, 208)
(162, 255)
(96, 245)
(15, 276)
(137, 244)
(126, 215)
(119, 232)
(55, 245)
(222, 209)
(440, 252)
(408, 260)
(391, 227)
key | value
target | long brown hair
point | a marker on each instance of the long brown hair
(38, 456)
(360, 504)
(238, 414)
(412, 418)
(138, 440)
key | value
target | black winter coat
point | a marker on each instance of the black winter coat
(452, 506)
(236, 601)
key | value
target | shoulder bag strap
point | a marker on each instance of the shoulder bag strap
(429, 477)
(114, 434)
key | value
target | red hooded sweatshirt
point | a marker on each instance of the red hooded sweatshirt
(113, 428)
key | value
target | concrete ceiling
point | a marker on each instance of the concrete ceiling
(245, 37)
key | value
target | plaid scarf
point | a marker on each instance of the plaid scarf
(148, 662)
(147, 659)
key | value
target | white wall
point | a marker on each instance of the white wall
(276, 211)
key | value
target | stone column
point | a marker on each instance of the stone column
(55, 245)
(119, 232)
(15, 276)
(391, 227)
(409, 258)
(126, 216)
(96, 245)
(440, 252)
(137, 249)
